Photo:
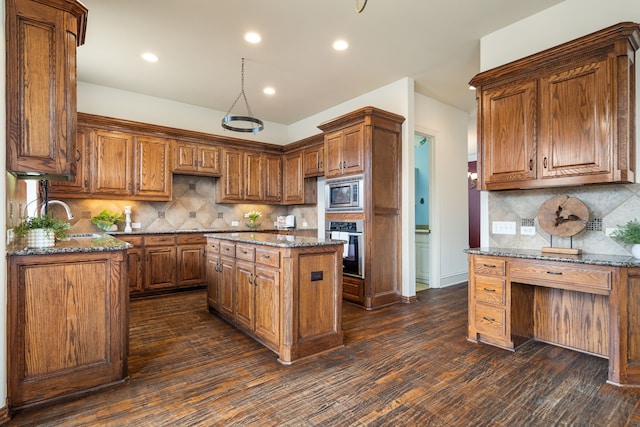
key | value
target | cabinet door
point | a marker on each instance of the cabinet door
(293, 180)
(314, 161)
(245, 292)
(353, 150)
(575, 126)
(209, 160)
(152, 168)
(272, 178)
(231, 185)
(213, 280)
(112, 158)
(135, 270)
(253, 178)
(226, 295)
(186, 157)
(267, 305)
(160, 267)
(508, 133)
(41, 86)
(191, 265)
(333, 152)
(79, 186)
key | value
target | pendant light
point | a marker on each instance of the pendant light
(246, 123)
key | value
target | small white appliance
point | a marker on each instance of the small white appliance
(286, 221)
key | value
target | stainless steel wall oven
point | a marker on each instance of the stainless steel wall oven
(353, 253)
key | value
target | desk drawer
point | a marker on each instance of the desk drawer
(490, 290)
(489, 266)
(491, 320)
(579, 277)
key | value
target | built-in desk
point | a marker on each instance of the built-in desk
(589, 303)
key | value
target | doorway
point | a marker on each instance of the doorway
(422, 155)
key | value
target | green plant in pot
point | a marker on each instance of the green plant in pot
(41, 231)
(629, 234)
(105, 220)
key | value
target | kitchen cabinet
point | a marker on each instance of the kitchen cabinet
(242, 177)
(422, 255)
(513, 300)
(284, 293)
(314, 161)
(257, 285)
(345, 150)
(112, 164)
(67, 325)
(297, 189)
(561, 117)
(135, 264)
(196, 159)
(152, 168)
(41, 86)
(272, 178)
(377, 136)
(81, 181)
(159, 262)
(191, 260)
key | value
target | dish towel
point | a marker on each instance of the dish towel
(341, 235)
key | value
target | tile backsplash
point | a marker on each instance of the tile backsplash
(193, 206)
(613, 204)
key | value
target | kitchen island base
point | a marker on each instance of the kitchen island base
(283, 291)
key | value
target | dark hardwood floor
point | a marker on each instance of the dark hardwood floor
(404, 365)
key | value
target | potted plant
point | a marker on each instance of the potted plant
(41, 231)
(105, 220)
(252, 219)
(629, 234)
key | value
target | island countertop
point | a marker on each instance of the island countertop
(75, 244)
(276, 240)
(592, 259)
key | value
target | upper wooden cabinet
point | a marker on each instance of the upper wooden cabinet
(41, 85)
(314, 161)
(296, 189)
(564, 116)
(249, 176)
(112, 163)
(80, 185)
(152, 170)
(272, 178)
(344, 151)
(197, 159)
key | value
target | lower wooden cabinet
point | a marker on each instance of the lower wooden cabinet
(353, 289)
(287, 299)
(165, 262)
(67, 325)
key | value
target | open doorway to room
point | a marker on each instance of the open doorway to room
(422, 156)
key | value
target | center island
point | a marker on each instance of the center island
(284, 291)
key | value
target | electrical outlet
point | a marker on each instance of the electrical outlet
(610, 230)
(504, 227)
(135, 225)
(10, 236)
(528, 231)
(234, 223)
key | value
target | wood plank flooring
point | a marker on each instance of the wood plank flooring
(404, 365)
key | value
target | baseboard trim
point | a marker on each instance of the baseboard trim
(5, 415)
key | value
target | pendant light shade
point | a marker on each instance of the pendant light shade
(237, 123)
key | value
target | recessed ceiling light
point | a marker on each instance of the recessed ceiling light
(269, 90)
(472, 88)
(149, 57)
(340, 45)
(252, 37)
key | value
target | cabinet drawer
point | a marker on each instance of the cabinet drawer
(268, 257)
(161, 239)
(490, 290)
(488, 265)
(191, 239)
(134, 240)
(228, 249)
(491, 320)
(213, 246)
(562, 275)
(247, 253)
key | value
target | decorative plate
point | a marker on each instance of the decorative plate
(563, 216)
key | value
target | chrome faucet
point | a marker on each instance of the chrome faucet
(57, 202)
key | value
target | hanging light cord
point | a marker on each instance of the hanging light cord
(241, 94)
(358, 8)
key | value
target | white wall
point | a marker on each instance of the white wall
(449, 204)
(568, 20)
(109, 102)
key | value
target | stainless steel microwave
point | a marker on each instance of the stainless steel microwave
(344, 194)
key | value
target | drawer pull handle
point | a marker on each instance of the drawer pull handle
(555, 273)
(266, 256)
(244, 252)
(489, 265)
(488, 290)
(489, 319)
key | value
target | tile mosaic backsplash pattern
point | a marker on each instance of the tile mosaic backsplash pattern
(192, 207)
(615, 204)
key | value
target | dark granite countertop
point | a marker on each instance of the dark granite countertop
(277, 240)
(77, 243)
(594, 259)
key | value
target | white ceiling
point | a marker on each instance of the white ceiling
(200, 44)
